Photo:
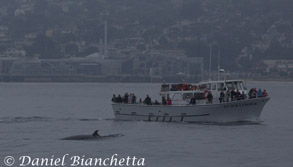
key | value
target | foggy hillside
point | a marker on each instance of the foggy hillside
(243, 31)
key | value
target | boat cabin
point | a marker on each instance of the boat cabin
(178, 93)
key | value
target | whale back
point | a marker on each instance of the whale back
(96, 133)
(94, 136)
(79, 137)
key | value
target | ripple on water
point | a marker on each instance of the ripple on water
(23, 119)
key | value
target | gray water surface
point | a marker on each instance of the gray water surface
(35, 116)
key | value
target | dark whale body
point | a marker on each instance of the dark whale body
(94, 136)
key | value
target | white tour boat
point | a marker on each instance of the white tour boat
(242, 108)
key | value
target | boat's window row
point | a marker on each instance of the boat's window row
(220, 86)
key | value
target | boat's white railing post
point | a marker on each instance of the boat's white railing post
(218, 73)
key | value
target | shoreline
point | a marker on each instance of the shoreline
(117, 79)
(136, 82)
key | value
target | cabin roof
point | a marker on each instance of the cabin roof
(221, 81)
(206, 82)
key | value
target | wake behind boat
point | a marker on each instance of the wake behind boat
(214, 101)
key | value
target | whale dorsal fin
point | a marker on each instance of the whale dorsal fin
(96, 133)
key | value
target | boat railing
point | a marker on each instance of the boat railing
(198, 102)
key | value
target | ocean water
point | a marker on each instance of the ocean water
(35, 116)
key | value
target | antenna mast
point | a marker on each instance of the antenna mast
(210, 65)
(219, 62)
(106, 33)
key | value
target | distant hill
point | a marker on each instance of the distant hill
(244, 32)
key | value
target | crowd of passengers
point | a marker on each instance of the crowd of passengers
(127, 98)
(131, 99)
(237, 95)
(229, 95)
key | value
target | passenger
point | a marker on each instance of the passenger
(250, 93)
(255, 92)
(140, 101)
(164, 101)
(205, 93)
(238, 95)
(119, 99)
(129, 98)
(222, 97)
(133, 99)
(156, 103)
(243, 96)
(148, 100)
(227, 95)
(264, 93)
(192, 101)
(114, 98)
(210, 98)
(169, 101)
(233, 94)
(259, 93)
(125, 100)
(187, 100)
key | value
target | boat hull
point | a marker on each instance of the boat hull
(244, 110)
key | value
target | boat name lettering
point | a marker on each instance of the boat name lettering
(239, 105)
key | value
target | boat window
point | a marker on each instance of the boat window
(208, 86)
(229, 85)
(190, 95)
(214, 86)
(237, 85)
(221, 87)
(163, 95)
(177, 97)
(202, 87)
(205, 87)
(165, 88)
(243, 86)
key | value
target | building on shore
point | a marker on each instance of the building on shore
(170, 65)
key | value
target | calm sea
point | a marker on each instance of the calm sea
(35, 116)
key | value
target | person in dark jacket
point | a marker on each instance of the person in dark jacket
(133, 99)
(164, 101)
(126, 98)
(148, 100)
(222, 97)
(243, 96)
(114, 98)
(233, 95)
(252, 93)
(193, 101)
(238, 95)
(119, 99)
(210, 98)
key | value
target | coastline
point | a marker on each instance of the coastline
(116, 79)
